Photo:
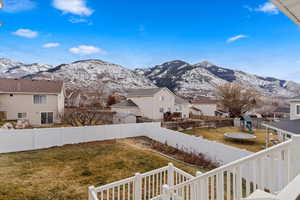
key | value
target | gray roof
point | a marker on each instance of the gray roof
(295, 98)
(179, 100)
(282, 110)
(9, 85)
(292, 126)
(126, 103)
(143, 92)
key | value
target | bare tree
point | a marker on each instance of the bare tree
(237, 99)
(82, 117)
(94, 96)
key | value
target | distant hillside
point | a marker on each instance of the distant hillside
(186, 79)
(202, 79)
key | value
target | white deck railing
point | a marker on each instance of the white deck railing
(141, 186)
(265, 170)
(269, 170)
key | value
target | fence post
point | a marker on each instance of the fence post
(170, 174)
(91, 189)
(138, 186)
(166, 195)
(195, 194)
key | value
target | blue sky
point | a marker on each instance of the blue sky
(250, 35)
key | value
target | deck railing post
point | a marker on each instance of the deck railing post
(171, 174)
(294, 161)
(138, 186)
(166, 194)
(196, 187)
(91, 189)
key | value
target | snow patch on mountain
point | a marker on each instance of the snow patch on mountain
(201, 79)
(12, 69)
(96, 73)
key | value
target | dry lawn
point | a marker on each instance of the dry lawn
(218, 135)
(64, 173)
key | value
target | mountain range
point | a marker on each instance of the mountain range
(189, 80)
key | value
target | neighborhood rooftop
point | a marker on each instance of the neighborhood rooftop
(126, 103)
(292, 126)
(143, 92)
(205, 101)
(179, 100)
(8, 85)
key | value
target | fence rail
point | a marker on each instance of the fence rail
(141, 186)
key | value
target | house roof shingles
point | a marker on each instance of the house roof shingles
(205, 101)
(143, 92)
(292, 126)
(282, 110)
(179, 100)
(8, 85)
(126, 103)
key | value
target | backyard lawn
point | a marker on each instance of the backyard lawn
(64, 173)
(218, 135)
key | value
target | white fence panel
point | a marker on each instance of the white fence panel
(215, 151)
(46, 138)
(16, 141)
(22, 140)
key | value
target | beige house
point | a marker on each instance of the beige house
(207, 107)
(152, 103)
(41, 102)
(295, 108)
(182, 106)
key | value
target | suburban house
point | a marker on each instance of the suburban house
(152, 103)
(181, 106)
(295, 108)
(40, 102)
(126, 107)
(208, 107)
(282, 112)
(288, 127)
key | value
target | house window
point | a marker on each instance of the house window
(22, 115)
(298, 109)
(162, 98)
(161, 110)
(39, 99)
(47, 118)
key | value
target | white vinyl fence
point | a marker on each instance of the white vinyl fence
(214, 150)
(31, 139)
(23, 140)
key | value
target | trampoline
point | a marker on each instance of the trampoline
(239, 136)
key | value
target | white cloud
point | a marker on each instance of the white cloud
(86, 50)
(26, 33)
(51, 45)
(74, 20)
(77, 7)
(233, 39)
(267, 7)
(13, 6)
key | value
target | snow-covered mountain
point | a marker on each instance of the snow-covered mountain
(12, 69)
(92, 74)
(202, 78)
(190, 80)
